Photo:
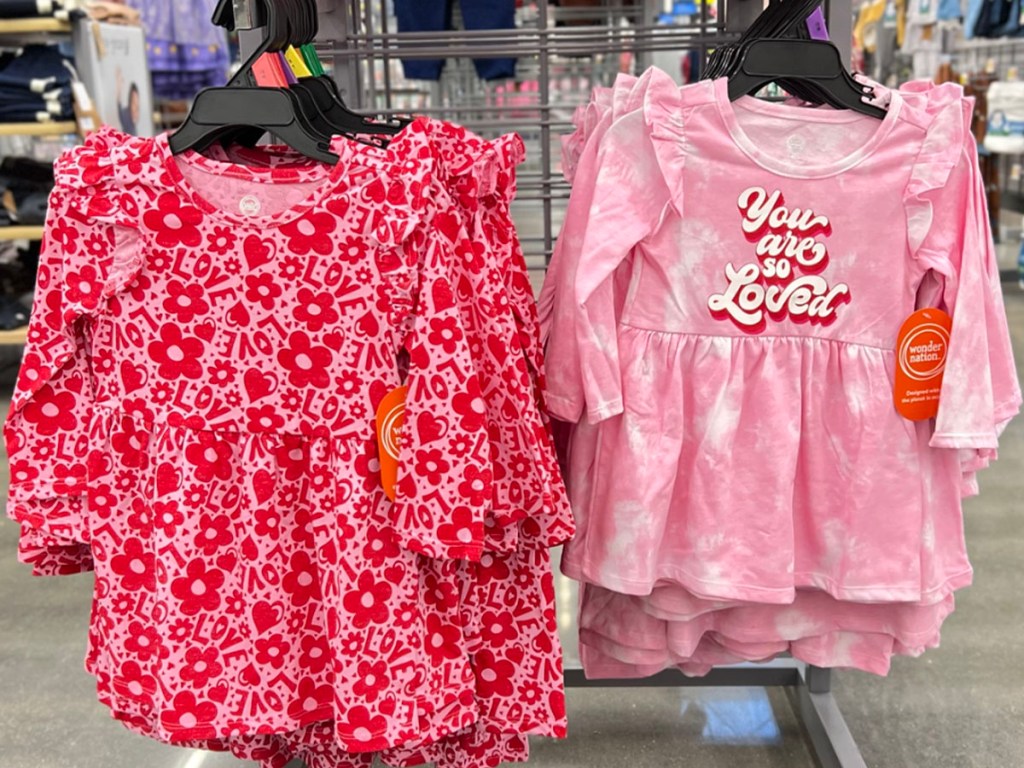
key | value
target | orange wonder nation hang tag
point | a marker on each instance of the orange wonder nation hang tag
(920, 362)
(390, 417)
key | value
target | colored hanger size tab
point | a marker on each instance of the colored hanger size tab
(297, 63)
(267, 71)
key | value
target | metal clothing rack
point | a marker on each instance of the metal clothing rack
(562, 54)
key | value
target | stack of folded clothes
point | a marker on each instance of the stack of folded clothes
(26, 9)
(35, 86)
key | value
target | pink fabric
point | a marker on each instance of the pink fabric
(168, 490)
(771, 463)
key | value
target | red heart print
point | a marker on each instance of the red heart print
(334, 340)
(219, 693)
(394, 573)
(206, 331)
(132, 376)
(441, 292)
(168, 479)
(368, 325)
(266, 616)
(378, 391)
(227, 561)
(430, 428)
(249, 549)
(375, 191)
(239, 315)
(448, 223)
(257, 252)
(250, 676)
(499, 350)
(258, 384)
(264, 485)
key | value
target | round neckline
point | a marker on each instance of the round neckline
(772, 162)
(329, 177)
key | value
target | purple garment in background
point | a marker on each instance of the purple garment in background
(186, 51)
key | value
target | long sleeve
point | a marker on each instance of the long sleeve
(629, 199)
(980, 392)
(443, 490)
(46, 431)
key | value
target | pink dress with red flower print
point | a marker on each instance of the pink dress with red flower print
(215, 380)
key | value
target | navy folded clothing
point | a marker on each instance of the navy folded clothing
(39, 68)
(19, 9)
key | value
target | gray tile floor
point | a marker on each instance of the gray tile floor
(960, 706)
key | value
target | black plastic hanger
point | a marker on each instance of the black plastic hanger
(815, 62)
(240, 109)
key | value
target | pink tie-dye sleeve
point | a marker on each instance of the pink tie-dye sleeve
(628, 200)
(980, 392)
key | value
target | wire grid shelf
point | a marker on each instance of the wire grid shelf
(562, 54)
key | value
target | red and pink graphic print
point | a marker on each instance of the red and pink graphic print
(786, 281)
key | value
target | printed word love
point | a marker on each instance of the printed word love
(785, 282)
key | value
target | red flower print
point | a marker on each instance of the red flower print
(190, 717)
(445, 333)
(353, 249)
(471, 254)
(185, 302)
(439, 593)
(372, 677)
(166, 517)
(131, 443)
(380, 547)
(84, 286)
(431, 464)
(221, 240)
(181, 630)
(199, 589)
(498, 628)
(529, 693)
(176, 354)
(463, 528)
(306, 364)
(175, 224)
(492, 568)
(96, 245)
(316, 310)
(315, 654)
(444, 641)
(264, 418)
(135, 566)
(262, 289)
(476, 485)
(141, 518)
(133, 684)
(201, 665)
(312, 232)
(363, 730)
(272, 650)
(51, 412)
(65, 236)
(144, 642)
(493, 675)
(472, 410)
(367, 603)
(211, 457)
(268, 523)
(352, 645)
(310, 701)
(214, 533)
(291, 268)
(222, 373)
(302, 581)
(406, 615)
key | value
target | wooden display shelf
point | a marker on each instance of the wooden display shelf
(38, 129)
(21, 233)
(15, 337)
(33, 26)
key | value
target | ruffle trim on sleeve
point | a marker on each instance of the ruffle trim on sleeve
(939, 154)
